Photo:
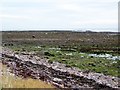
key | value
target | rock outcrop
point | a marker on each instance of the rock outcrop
(56, 73)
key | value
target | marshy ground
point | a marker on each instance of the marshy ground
(88, 51)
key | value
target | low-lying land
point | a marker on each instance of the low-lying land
(56, 73)
(88, 51)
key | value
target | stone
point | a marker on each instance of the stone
(57, 73)
(57, 80)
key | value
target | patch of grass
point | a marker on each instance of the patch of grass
(22, 48)
(73, 58)
(85, 62)
(0, 86)
(11, 81)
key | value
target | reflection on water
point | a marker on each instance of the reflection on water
(108, 56)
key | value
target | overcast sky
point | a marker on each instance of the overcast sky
(59, 14)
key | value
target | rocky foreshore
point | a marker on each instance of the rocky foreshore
(56, 73)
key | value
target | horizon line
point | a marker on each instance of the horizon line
(70, 30)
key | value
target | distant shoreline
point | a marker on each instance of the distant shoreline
(58, 31)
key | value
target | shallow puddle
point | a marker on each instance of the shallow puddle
(107, 56)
